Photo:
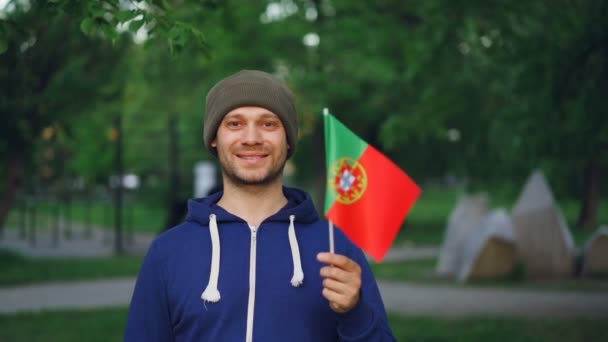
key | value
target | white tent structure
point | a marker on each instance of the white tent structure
(544, 242)
(490, 251)
(595, 253)
(462, 223)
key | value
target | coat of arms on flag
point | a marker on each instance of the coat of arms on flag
(348, 179)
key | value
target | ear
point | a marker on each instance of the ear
(214, 143)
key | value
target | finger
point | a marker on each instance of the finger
(338, 302)
(338, 260)
(335, 273)
(342, 276)
(350, 286)
(350, 290)
(335, 307)
(334, 297)
(339, 287)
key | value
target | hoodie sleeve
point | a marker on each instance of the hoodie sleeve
(149, 315)
(367, 321)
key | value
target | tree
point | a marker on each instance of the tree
(462, 87)
(49, 76)
(55, 75)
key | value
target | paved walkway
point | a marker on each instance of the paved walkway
(68, 295)
(447, 301)
(403, 298)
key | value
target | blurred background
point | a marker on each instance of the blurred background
(101, 146)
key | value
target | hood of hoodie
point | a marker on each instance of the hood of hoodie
(299, 204)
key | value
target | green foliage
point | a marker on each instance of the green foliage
(94, 159)
(110, 17)
(54, 74)
(477, 90)
(459, 88)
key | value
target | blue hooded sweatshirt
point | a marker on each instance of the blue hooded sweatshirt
(216, 278)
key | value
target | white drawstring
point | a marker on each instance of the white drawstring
(298, 274)
(211, 293)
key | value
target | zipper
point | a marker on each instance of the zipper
(251, 303)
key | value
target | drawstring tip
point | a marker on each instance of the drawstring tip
(210, 295)
(297, 280)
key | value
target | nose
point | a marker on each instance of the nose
(252, 135)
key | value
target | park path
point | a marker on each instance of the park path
(399, 297)
(448, 301)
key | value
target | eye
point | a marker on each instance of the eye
(271, 123)
(233, 123)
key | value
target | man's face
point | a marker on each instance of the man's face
(252, 146)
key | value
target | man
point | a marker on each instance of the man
(249, 262)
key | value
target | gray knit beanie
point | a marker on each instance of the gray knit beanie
(250, 88)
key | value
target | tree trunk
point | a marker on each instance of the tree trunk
(587, 218)
(176, 208)
(12, 184)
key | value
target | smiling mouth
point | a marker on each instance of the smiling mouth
(251, 157)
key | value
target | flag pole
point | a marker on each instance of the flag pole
(330, 224)
(331, 237)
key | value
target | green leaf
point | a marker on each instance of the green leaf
(123, 16)
(174, 33)
(135, 25)
(86, 25)
(110, 33)
(95, 9)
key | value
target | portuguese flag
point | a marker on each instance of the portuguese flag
(367, 196)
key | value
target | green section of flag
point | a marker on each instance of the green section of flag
(340, 142)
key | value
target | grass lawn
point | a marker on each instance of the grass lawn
(423, 271)
(16, 269)
(137, 216)
(407, 270)
(497, 329)
(102, 325)
(108, 325)
(426, 221)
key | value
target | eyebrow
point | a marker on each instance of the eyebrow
(265, 115)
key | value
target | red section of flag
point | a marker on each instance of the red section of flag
(373, 221)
